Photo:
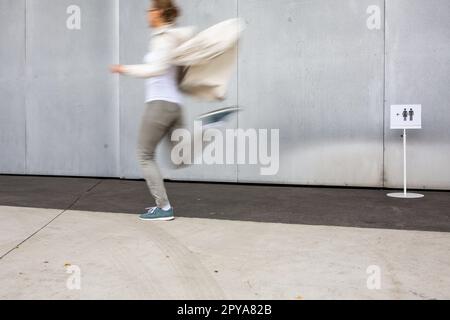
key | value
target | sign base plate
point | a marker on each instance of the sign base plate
(405, 195)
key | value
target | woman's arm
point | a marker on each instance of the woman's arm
(162, 48)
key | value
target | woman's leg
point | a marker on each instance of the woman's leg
(196, 138)
(158, 118)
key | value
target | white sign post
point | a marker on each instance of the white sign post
(406, 117)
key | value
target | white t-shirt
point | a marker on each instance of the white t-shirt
(163, 87)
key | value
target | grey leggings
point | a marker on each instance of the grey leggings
(160, 119)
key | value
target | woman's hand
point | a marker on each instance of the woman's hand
(117, 68)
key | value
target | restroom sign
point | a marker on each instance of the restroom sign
(407, 116)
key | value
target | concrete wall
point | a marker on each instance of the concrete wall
(12, 86)
(72, 107)
(314, 70)
(324, 72)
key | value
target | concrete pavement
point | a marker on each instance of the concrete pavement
(121, 257)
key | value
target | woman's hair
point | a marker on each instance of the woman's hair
(170, 12)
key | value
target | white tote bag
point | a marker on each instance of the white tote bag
(207, 60)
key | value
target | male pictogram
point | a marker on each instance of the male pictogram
(411, 114)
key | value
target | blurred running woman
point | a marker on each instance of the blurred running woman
(163, 112)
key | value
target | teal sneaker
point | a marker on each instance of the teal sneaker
(157, 214)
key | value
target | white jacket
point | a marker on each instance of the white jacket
(207, 58)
